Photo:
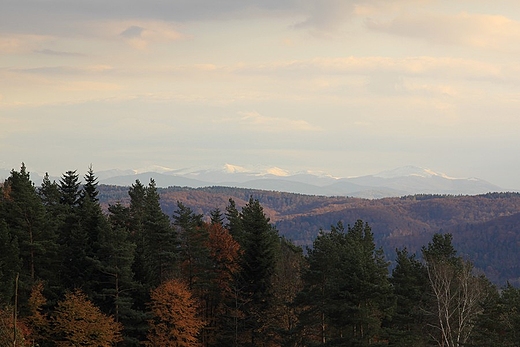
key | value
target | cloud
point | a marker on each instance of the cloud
(18, 43)
(52, 52)
(326, 16)
(445, 67)
(257, 122)
(137, 33)
(57, 17)
(475, 30)
(132, 32)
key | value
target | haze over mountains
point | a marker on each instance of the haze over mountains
(401, 181)
(397, 182)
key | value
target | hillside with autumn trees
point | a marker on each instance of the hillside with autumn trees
(484, 227)
(89, 265)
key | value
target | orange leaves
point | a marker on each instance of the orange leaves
(9, 334)
(175, 322)
(225, 253)
(78, 322)
(37, 320)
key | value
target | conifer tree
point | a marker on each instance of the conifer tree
(24, 214)
(90, 190)
(114, 267)
(160, 239)
(234, 222)
(216, 217)
(346, 293)
(193, 248)
(10, 264)
(70, 189)
(261, 249)
(409, 322)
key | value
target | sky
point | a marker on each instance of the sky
(346, 87)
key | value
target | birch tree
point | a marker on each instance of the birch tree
(457, 293)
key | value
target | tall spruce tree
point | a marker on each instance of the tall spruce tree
(160, 239)
(194, 252)
(234, 222)
(74, 242)
(10, 264)
(114, 265)
(261, 247)
(90, 190)
(409, 323)
(24, 215)
(346, 293)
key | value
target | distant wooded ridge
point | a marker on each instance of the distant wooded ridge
(485, 228)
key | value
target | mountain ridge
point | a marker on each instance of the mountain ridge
(406, 180)
(391, 183)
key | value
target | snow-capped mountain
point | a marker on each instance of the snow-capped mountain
(401, 181)
(406, 171)
(398, 182)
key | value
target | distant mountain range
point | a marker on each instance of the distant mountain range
(399, 182)
(402, 181)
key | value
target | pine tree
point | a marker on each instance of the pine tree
(346, 293)
(216, 217)
(160, 239)
(261, 251)
(234, 222)
(24, 214)
(10, 264)
(408, 326)
(194, 251)
(114, 268)
(156, 245)
(90, 188)
(70, 188)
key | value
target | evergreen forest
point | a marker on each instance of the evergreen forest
(74, 273)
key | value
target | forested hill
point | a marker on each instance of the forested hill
(485, 228)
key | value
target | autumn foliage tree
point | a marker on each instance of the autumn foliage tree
(78, 322)
(37, 320)
(175, 322)
(11, 334)
(219, 301)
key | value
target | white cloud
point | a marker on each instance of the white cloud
(467, 29)
(254, 121)
(445, 67)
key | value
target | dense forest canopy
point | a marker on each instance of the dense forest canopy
(77, 268)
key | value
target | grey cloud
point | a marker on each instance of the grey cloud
(132, 32)
(52, 15)
(58, 53)
(433, 28)
(327, 15)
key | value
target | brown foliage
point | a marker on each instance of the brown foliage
(225, 253)
(37, 320)
(78, 322)
(175, 322)
(8, 333)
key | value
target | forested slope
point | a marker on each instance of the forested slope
(484, 227)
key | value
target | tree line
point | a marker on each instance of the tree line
(72, 275)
